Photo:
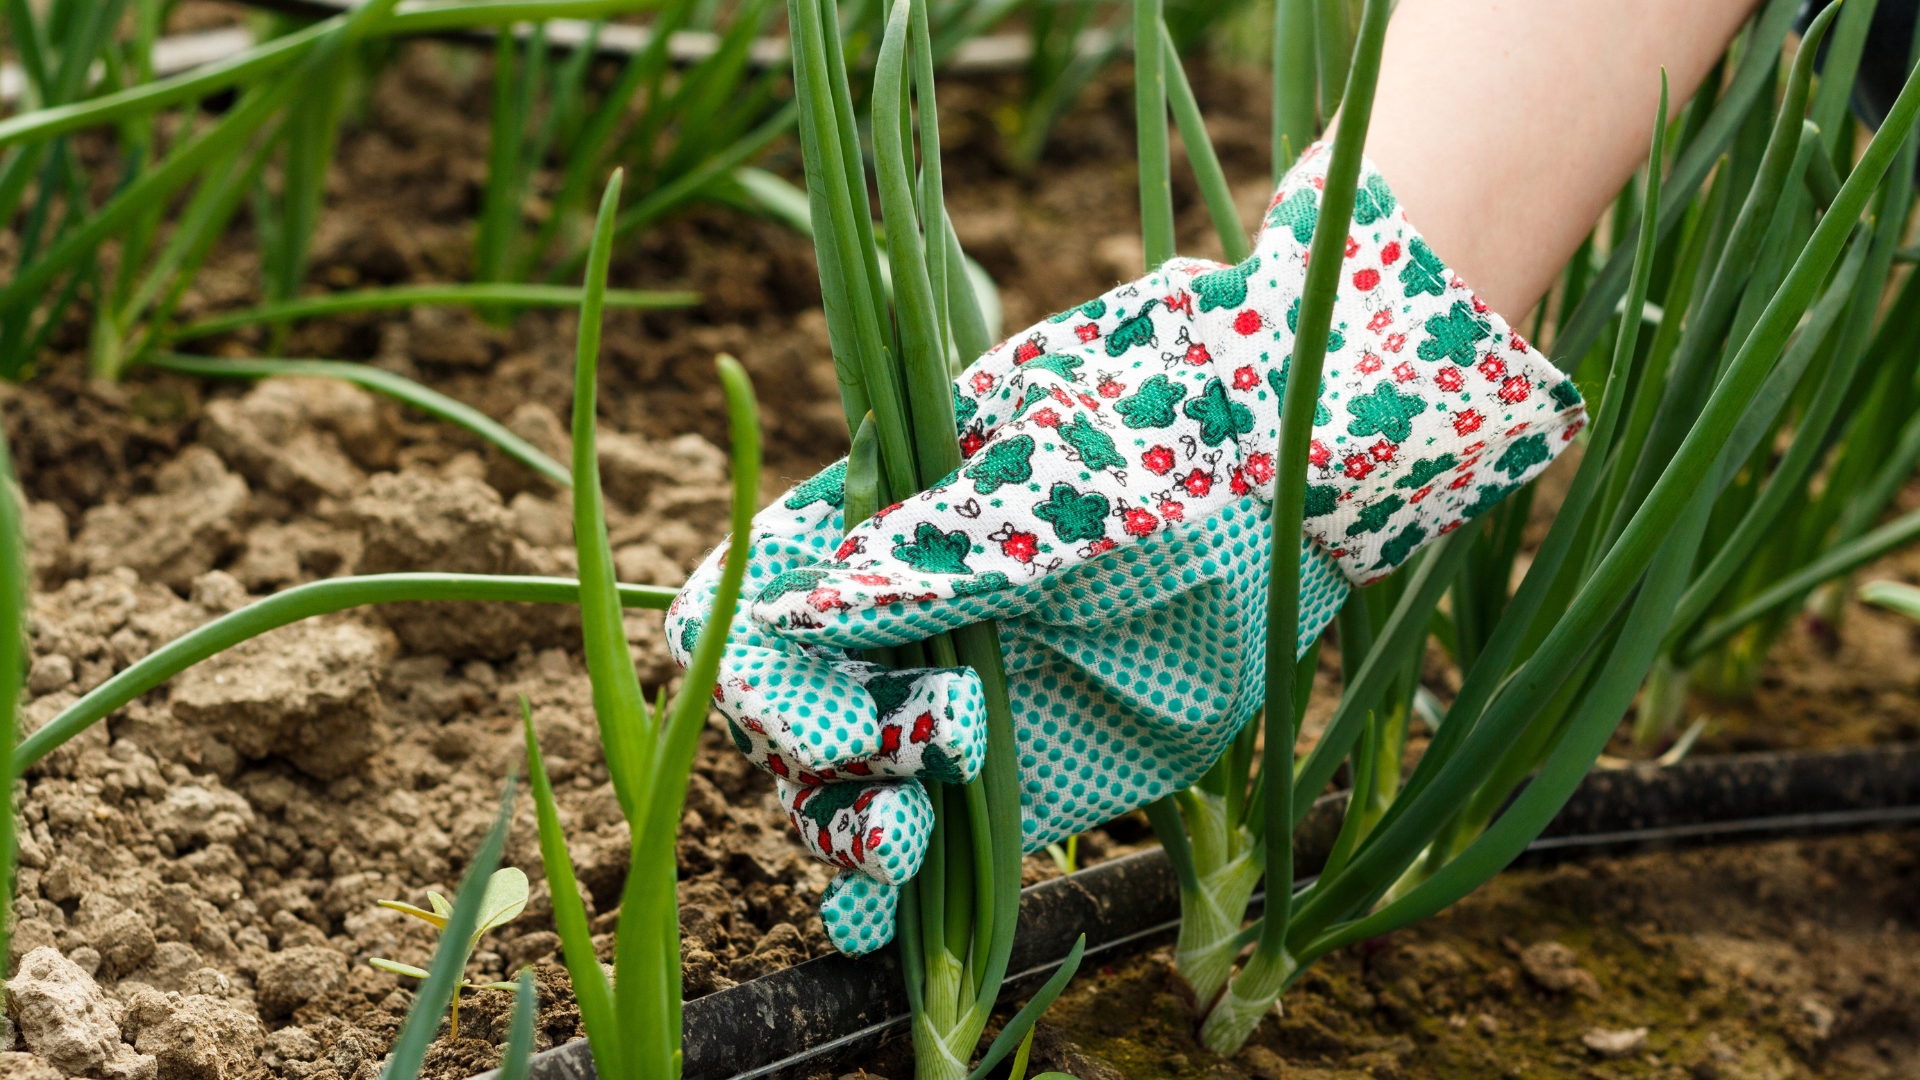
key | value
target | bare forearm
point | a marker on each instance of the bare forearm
(1506, 126)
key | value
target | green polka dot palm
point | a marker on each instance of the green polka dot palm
(1112, 516)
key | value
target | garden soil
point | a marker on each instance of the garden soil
(198, 874)
(1796, 959)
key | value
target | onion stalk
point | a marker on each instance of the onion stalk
(892, 348)
(1737, 315)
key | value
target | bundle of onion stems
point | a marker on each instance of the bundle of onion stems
(1752, 420)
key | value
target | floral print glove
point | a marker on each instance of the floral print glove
(1112, 515)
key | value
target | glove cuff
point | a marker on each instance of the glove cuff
(1432, 409)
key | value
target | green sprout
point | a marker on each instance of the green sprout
(1066, 855)
(504, 900)
(441, 983)
(1020, 1061)
(1895, 596)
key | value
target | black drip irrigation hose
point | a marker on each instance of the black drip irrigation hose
(795, 1022)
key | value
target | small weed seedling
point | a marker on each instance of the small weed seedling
(505, 899)
(1895, 596)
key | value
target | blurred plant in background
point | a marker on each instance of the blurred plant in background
(676, 130)
(258, 130)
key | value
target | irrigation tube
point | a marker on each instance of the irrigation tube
(984, 54)
(183, 52)
(809, 1017)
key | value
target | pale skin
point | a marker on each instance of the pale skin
(1507, 126)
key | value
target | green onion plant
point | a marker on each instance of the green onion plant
(633, 1021)
(893, 339)
(1739, 310)
(136, 252)
(1216, 833)
(1840, 402)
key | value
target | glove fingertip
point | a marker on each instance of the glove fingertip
(967, 696)
(879, 828)
(858, 912)
(810, 709)
(856, 610)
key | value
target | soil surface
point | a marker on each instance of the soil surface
(1764, 963)
(198, 874)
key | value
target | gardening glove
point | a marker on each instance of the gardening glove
(1112, 516)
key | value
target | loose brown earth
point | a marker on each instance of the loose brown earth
(1786, 960)
(198, 874)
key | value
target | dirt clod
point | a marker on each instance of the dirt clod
(196, 1036)
(124, 942)
(1552, 966)
(188, 525)
(293, 977)
(633, 469)
(16, 1065)
(412, 521)
(45, 527)
(1607, 1044)
(67, 1021)
(782, 947)
(291, 436)
(1053, 1051)
(307, 692)
(193, 815)
(51, 672)
(1262, 1063)
(415, 522)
